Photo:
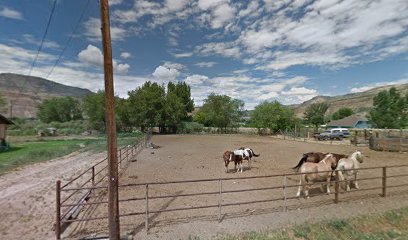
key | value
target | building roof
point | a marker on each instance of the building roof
(4, 120)
(349, 121)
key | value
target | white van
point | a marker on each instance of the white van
(343, 131)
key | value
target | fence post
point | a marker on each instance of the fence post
(58, 216)
(93, 175)
(285, 208)
(384, 181)
(355, 137)
(147, 209)
(120, 154)
(219, 200)
(336, 188)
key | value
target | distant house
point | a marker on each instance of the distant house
(3, 129)
(353, 121)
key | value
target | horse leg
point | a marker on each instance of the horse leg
(242, 167)
(307, 190)
(328, 183)
(355, 180)
(300, 187)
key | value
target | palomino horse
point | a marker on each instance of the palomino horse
(231, 157)
(316, 172)
(250, 153)
(316, 157)
(347, 168)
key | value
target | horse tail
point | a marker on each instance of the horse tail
(255, 155)
(302, 160)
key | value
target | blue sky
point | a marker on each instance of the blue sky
(288, 50)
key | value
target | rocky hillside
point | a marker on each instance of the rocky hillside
(24, 93)
(360, 102)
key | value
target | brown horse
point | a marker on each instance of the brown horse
(228, 157)
(316, 157)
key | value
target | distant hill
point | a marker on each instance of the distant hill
(360, 102)
(26, 92)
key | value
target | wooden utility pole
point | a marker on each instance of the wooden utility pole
(113, 198)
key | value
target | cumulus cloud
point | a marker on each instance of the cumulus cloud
(165, 74)
(10, 13)
(93, 56)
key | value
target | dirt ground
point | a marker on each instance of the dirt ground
(189, 157)
(27, 195)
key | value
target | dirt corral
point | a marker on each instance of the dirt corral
(189, 157)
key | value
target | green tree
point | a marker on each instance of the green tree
(147, 103)
(183, 91)
(342, 113)
(59, 109)
(220, 111)
(123, 115)
(390, 110)
(173, 112)
(93, 106)
(314, 114)
(274, 116)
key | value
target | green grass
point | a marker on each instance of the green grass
(38, 151)
(390, 225)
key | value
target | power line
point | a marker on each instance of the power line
(69, 40)
(44, 36)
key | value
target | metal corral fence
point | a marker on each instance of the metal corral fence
(392, 144)
(153, 198)
(72, 197)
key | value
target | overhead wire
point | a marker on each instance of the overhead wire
(44, 36)
(69, 39)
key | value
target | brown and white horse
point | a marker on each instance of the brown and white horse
(316, 172)
(249, 154)
(229, 156)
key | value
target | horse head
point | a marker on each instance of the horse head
(358, 155)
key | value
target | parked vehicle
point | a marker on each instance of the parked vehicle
(334, 133)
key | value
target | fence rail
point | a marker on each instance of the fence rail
(72, 196)
(223, 192)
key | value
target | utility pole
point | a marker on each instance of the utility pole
(113, 196)
(11, 109)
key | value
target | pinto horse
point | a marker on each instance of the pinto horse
(249, 154)
(229, 156)
(316, 157)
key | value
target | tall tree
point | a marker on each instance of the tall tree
(147, 103)
(274, 116)
(342, 113)
(59, 109)
(183, 91)
(390, 110)
(94, 109)
(220, 111)
(314, 114)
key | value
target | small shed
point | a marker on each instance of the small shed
(353, 121)
(3, 126)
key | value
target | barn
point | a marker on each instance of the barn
(3, 131)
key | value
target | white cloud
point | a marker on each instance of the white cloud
(165, 74)
(227, 49)
(300, 91)
(182, 55)
(196, 79)
(93, 31)
(10, 13)
(93, 56)
(207, 4)
(205, 64)
(115, 2)
(378, 84)
(125, 55)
